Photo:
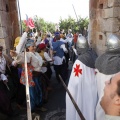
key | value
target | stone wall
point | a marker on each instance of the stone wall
(104, 20)
(9, 25)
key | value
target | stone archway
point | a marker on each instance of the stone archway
(104, 20)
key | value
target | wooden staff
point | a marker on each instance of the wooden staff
(72, 99)
(29, 116)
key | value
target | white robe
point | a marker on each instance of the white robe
(84, 90)
(101, 78)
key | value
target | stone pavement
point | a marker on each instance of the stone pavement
(55, 104)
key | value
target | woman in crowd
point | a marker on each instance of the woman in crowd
(34, 63)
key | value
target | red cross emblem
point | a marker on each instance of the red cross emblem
(77, 70)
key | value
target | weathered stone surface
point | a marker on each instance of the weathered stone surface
(2, 42)
(111, 12)
(113, 3)
(1, 33)
(102, 2)
(104, 21)
(101, 44)
(116, 12)
(1, 4)
(110, 3)
(117, 3)
(107, 13)
(111, 25)
(9, 26)
(4, 18)
(93, 14)
(4, 3)
(101, 40)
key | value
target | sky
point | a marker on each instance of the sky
(52, 10)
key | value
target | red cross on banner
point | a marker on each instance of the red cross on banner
(77, 70)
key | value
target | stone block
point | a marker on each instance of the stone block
(92, 13)
(111, 3)
(12, 5)
(117, 3)
(111, 12)
(102, 4)
(1, 33)
(101, 39)
(2, 14)
(99, 13)
(100, 43)
(110, 25)
(116, 12)
(2, 43)
(4, 5)
(5, 32)
(107, 13)
(1, 2)
(0, 20)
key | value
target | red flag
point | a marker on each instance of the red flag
(31, 23)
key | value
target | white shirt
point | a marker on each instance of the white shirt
(3, 77)
(38, 41)
(2, 64)
(65, 41)
(3, 68)
(47, 57)
(39, 58)
(21, 45)
(32, 58)
(50, 42)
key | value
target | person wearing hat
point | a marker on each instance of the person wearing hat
(47, 61)
(107, 65)
(34, 63)
(46, 58)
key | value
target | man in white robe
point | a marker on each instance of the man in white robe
(82, 83)
(107, 65)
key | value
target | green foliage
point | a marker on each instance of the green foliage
(69, 23)
(23, 25)
(44, 26)
(76, 26)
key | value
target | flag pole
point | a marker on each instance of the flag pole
(29, 116)
(76, 16)
(20, 21)
(72, 99)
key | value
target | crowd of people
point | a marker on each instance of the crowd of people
(43, 50)
(86, 83)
